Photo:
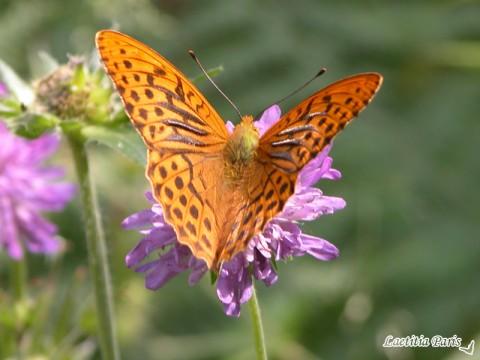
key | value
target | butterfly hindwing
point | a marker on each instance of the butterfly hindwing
(268, 191)
(186, 187)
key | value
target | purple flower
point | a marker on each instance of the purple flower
(281, 239)
(3, 90)
(27, 188)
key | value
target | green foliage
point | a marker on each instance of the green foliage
(15, 84)
(54, 321)
(31, 125)
(120, 138)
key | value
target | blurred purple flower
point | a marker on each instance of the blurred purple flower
(3, 90)
(281, 239)
(26, 189)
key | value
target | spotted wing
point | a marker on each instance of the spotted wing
(267, 192)
(185, 137)
(168, 111)
(186, 185)
(289, 145)
(306, 129)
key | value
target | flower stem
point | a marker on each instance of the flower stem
(260, 347)
(97, 254)
(19, 278)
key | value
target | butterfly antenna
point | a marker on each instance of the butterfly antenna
(318, 74)
(195, 58)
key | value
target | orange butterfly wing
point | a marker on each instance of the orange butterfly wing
(184, 135)
(290, 144)
(185, 138)
(305, 130)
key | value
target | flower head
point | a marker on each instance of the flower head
(27, 188)
(281, 239)
(74, 91)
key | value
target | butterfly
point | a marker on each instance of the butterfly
(219, 189)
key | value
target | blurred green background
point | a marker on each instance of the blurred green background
(409, 237)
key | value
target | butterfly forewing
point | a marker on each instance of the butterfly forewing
(305, 130)
(184, 134)
(165, 107)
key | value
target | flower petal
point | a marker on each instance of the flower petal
(230, 126)
(234, 285)
(199, 268)
(139, 219)
(269, 117)
(316, 169)
(3, 90)
(27, 188)
(8, 229)
(319, 248)
(310, 204)
(166, 267)
(38, 233)
(156, 239)
(263, 270)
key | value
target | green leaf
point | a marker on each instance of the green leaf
(213, 277)
(274, 264)
(10, 107)
(120, 117)
(120, 138)
(79, 77)
(32, 125)
(15, 84)
(46, 64)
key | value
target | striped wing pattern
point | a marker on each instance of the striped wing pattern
(184, 134)
(186, 137)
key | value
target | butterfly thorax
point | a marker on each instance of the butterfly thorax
(241, 149)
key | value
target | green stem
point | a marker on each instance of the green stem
(19, 282)
(97, 254)
(19, 278)
(260, 347)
